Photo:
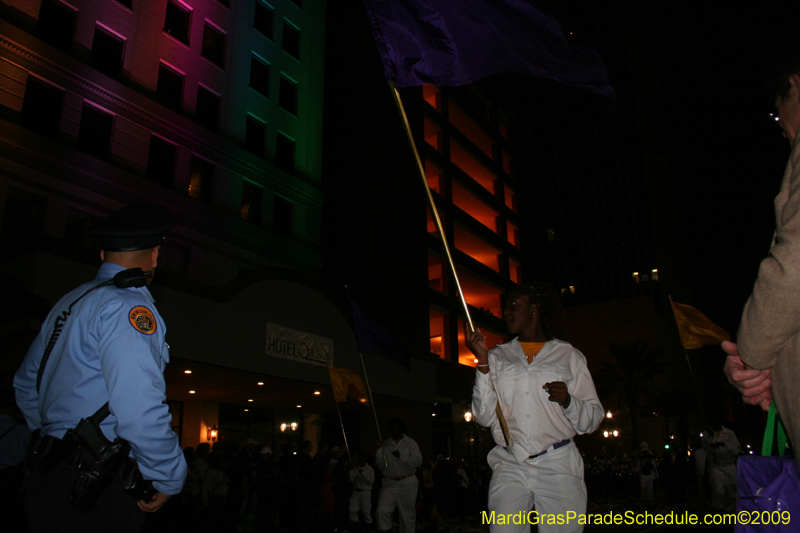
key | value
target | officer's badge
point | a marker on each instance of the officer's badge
(143, 320)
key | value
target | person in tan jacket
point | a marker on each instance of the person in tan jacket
(766, 362)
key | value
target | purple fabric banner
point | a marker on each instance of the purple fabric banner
(372, 338)
(454, 42)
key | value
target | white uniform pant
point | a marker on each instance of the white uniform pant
(646, 487)
(361, 500)
(553, 482)
(722, 479)
(403, 495)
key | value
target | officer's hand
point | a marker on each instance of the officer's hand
(155, 504)
(755, 386)
(558, 393)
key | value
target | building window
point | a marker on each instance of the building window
(225, 3)
(41, 107)
(94, 135)
(201, 179)
(107, 52)
(510, 198)
(433, 134)
(173, 258)
(282, 211)
(284, 153)
(432, 95)
(298, 3)
(255, 138)
(259, 75)
(207, 108)
(177, 21)
(471, 166)
(512, 234)
(169, 91)
(75, 226)
(287, 97)
(514, 271)
(476, 248)
(437, 273)
(465, 199)
(440, 333)
(23, 217)
(434, 175)
(56, 24)
(291, 39)
(251, 202)
(161, 162)
(264, 20)
(126, 3)
(214, 45)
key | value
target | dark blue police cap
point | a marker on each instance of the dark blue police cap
(135, 227)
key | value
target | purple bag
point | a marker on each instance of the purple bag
(769, 487)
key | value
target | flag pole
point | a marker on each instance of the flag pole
(429, 196)
(685, 353)
(435, 213)
(341, 421)
(372, 403)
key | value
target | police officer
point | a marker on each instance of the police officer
(110, 348)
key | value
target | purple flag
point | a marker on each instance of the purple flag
(372, 338)
(454, 42)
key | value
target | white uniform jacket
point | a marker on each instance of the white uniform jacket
(362, 477)
(406, 465)
(534, 422)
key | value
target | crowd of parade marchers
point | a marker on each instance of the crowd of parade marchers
(252, 488)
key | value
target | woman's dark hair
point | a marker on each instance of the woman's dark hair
(549, 301)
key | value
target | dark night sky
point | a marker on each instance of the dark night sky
(725, 155)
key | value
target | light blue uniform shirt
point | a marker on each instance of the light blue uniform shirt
(102, 356)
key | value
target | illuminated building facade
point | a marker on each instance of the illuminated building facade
(212, 108)
(470, 168)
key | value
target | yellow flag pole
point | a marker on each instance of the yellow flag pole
(685, 353)
(421, 168)
(341, 420)
(372, 403)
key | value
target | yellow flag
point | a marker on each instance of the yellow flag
(695, 328)
(347, 383)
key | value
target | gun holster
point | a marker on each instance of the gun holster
(92, 460)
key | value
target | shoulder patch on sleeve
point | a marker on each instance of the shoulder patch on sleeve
(143, 320)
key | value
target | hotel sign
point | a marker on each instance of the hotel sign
(299, 346)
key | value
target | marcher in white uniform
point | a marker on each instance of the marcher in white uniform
(722, 448)
(648, 473)
(547, 396)
(362, 476)
(399, 485)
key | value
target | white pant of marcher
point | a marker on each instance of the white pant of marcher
(646, 486)
(722, 479)
(403, 495)
(553, 482)
(361, 500)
